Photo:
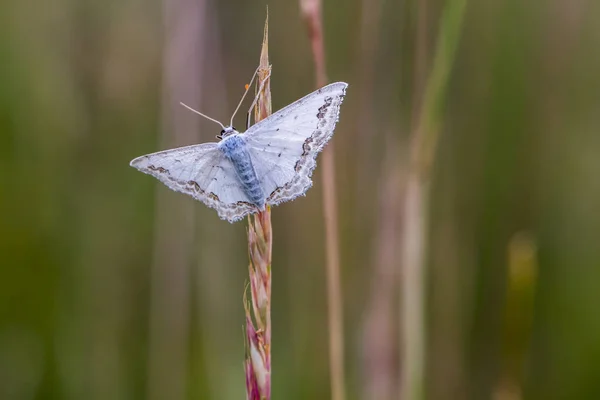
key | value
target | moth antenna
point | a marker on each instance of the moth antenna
(243, 96)
(199, 113)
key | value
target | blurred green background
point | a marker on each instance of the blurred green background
(114, 287)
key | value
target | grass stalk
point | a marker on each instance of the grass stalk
(260, 244)
(311, 12)
(424, 142)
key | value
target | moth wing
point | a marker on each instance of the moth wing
(203, 172)
(284, 146)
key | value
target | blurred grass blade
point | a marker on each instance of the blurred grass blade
(311, 11)
(416, 207)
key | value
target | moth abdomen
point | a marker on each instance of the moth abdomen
(235, 149)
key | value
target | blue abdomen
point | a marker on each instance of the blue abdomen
(235, 149)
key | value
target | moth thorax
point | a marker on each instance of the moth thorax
(232, 145)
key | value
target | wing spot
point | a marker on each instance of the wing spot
(159, 169)
(195, 185)
(324, 107)
(306, 147)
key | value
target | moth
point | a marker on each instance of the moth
(268, 164)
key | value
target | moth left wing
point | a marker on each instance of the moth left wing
(203, 172)
(285, 145)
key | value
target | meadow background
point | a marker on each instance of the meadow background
(114, 287)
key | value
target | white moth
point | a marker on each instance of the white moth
(270, 163)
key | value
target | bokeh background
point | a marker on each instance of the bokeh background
(114, 287)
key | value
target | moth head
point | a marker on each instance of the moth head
(227, 131)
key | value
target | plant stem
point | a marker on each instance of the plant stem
(311, 11)
(260, 244)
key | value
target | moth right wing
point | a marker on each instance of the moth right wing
(285, 145)
(203, 172)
